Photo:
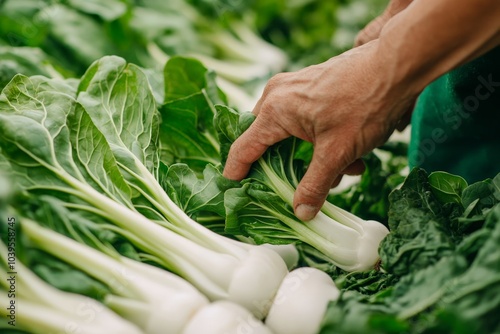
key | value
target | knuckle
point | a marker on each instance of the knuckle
(314, 191)
(274, 82)
(360, 38)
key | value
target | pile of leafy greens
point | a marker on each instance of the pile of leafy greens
(87, 157)
(440, 264)
(439, 268)
(245, 42)
(68, 36)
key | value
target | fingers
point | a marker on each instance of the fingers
(250, 146)
(371, 31)
(356, 168)
(314, 187)
(361, 38)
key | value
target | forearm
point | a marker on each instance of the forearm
(431, 37)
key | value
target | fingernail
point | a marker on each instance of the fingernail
(306, 212)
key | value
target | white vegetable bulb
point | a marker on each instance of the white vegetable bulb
(80, 315)
(301, 302)
(173, 314)
(288, 253)
(223, 317)
(256, 280)
(368, 244)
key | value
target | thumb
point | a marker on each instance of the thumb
(315, 185)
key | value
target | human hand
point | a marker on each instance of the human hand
(346, 107)
(373, 29)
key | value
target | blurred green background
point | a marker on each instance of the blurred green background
(63, 37)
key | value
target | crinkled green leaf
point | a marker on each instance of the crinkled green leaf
(454, 290)
(419, 232)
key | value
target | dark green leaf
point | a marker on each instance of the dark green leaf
(484, 191)
(187, 133)
(420, 233)
(187, 76)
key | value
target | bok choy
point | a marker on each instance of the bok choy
(45, 309)
(262, 207)
(154, 299)
(73, 151)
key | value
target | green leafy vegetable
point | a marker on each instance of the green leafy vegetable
(447, 187)
(187, 132)
(443, 274)
(55, 145)
(261, 208)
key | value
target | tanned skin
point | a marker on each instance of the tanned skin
(352, 103)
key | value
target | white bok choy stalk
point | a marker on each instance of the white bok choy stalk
(57, 145)
(262, 207)
(40, 308)
(155, 300)
(288, 252)
(109, 92)
(225, 317)
(301, 302)
(246, 45)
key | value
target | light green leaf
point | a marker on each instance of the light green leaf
(50, 141)
(447, 187)
(118, 98)
(23, 60)
(108, 10)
